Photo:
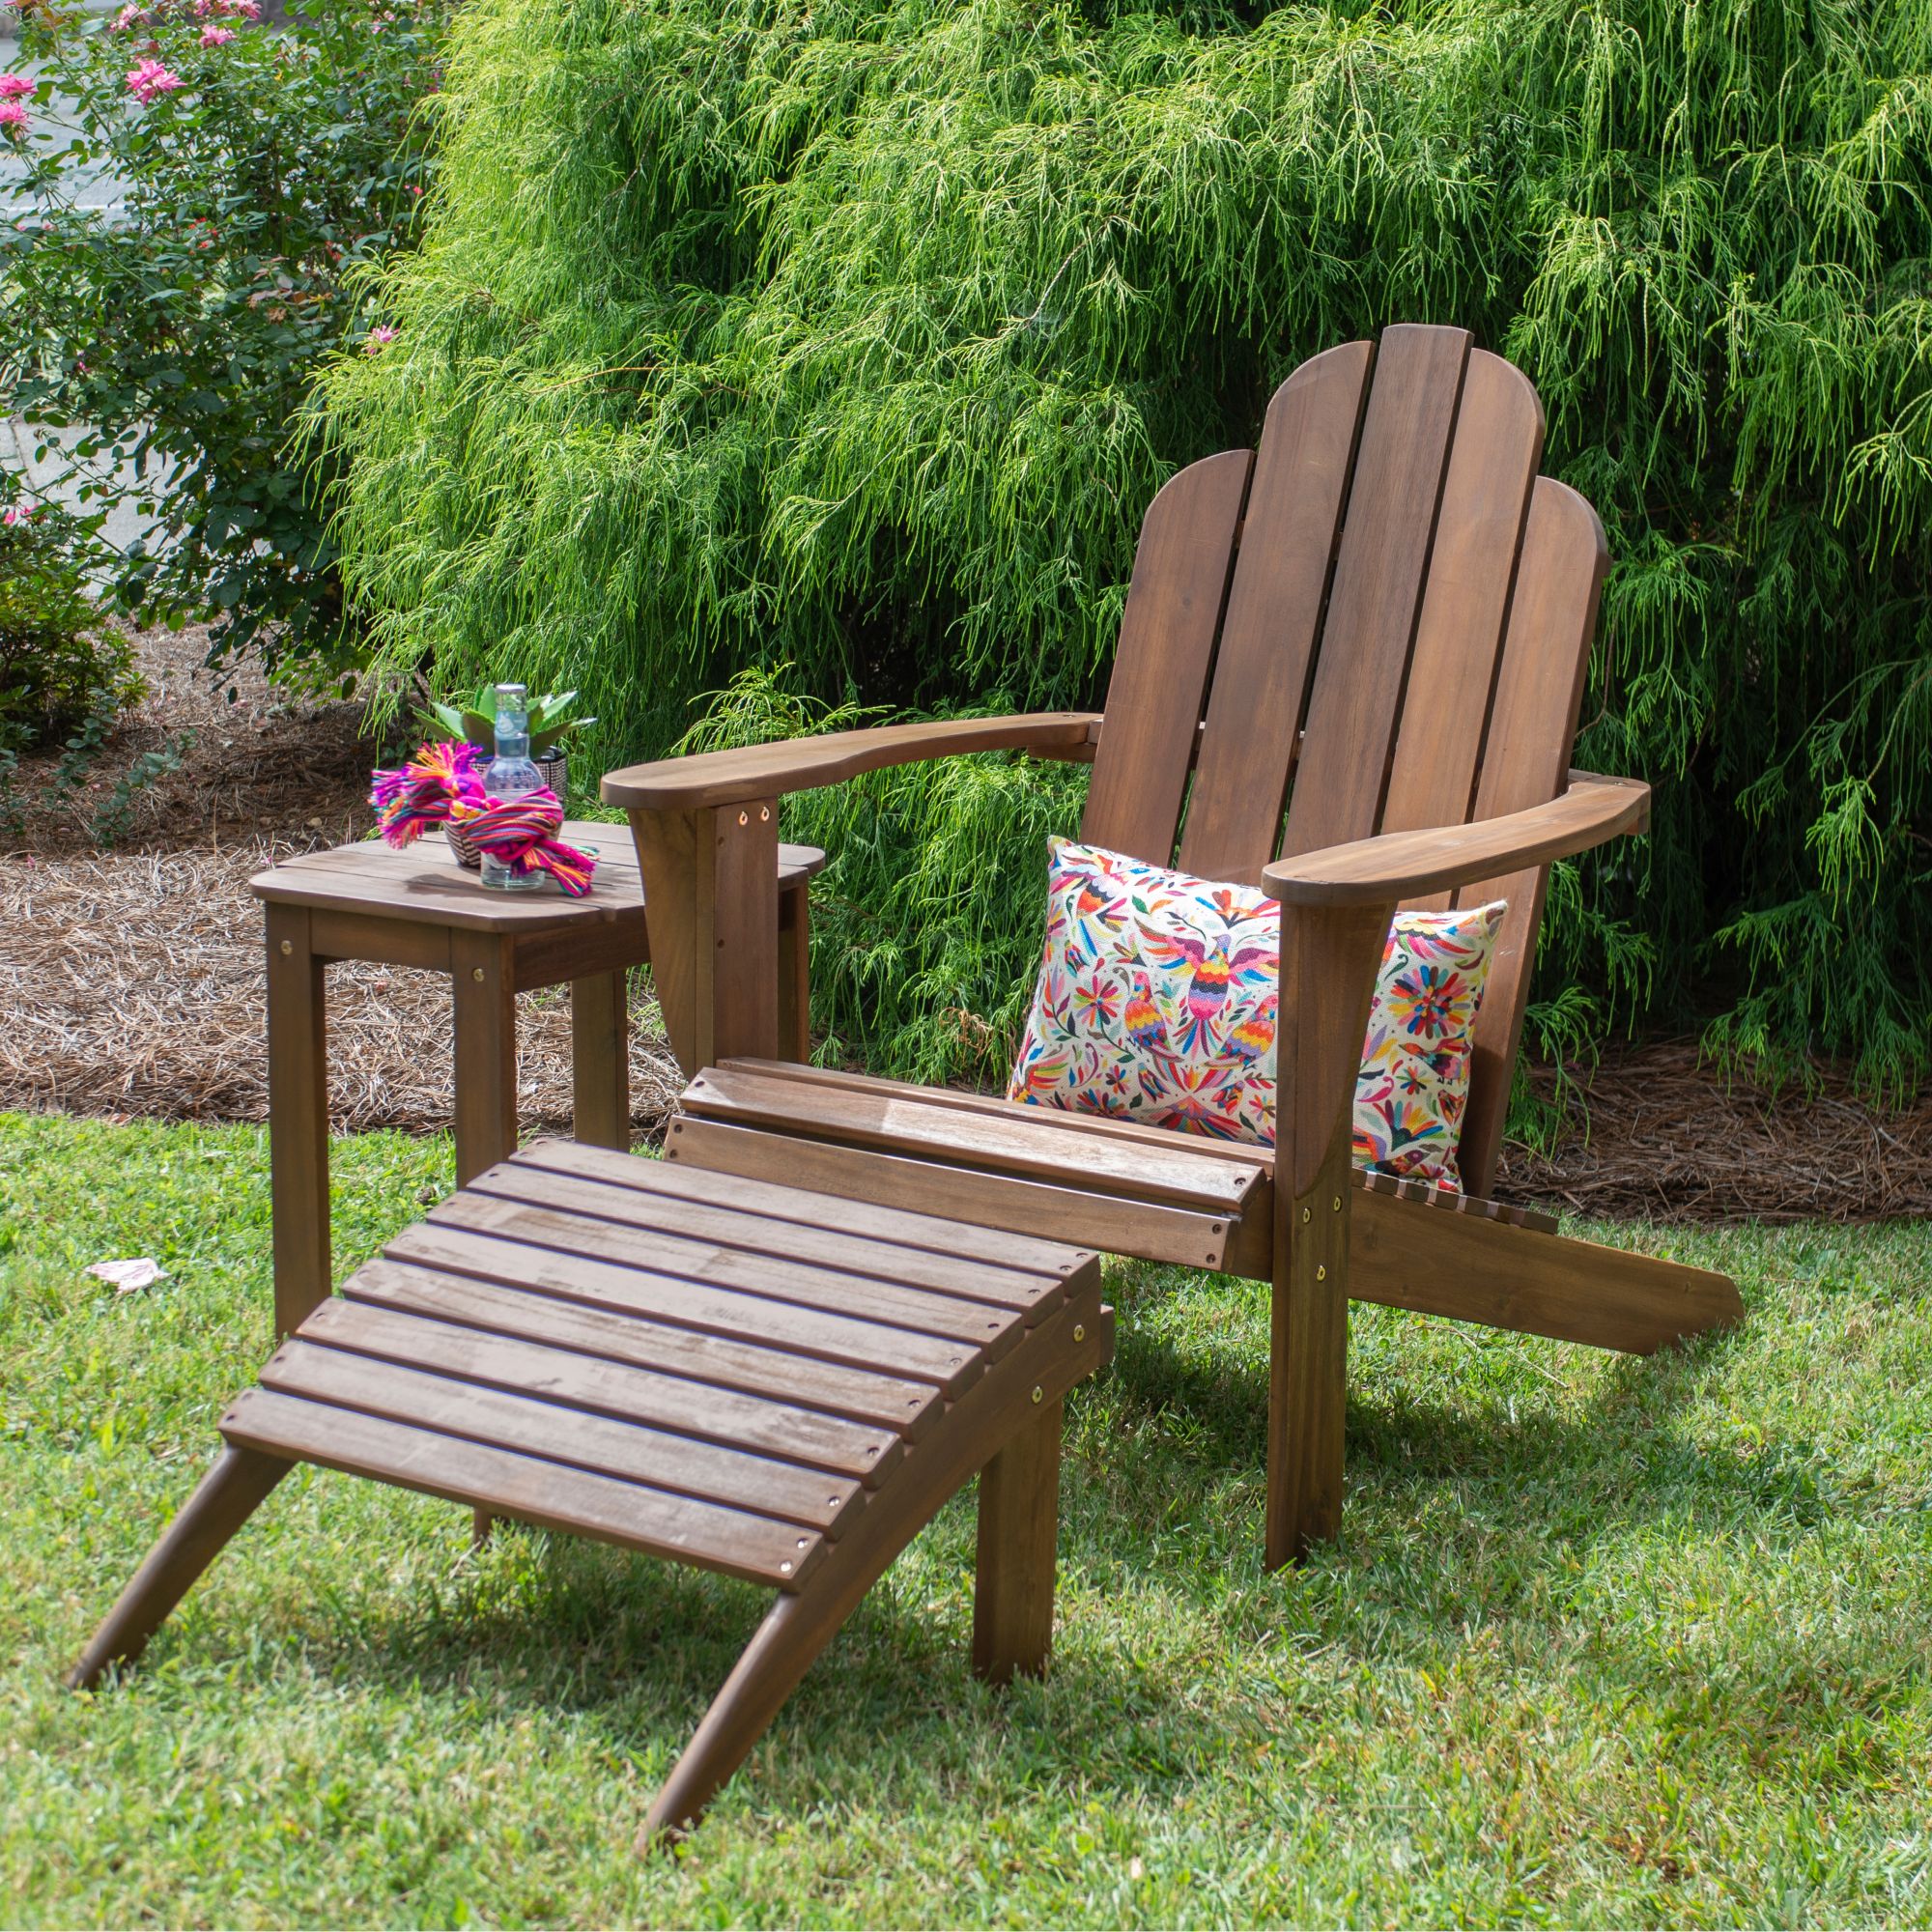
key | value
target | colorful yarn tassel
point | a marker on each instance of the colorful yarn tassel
(517, 833)
(441, 782)
(444, 783)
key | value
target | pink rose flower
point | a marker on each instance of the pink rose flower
(14, 86)
(217, 37)
(13, 119)
(127, 18)
(150, 79)
(247, 8)
(377, 339)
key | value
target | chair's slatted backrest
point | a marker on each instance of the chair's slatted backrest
(1403, 578)
(1168, 630)
(1274, 612)
(1380, 570)
(1527, 760)
(1457, 638)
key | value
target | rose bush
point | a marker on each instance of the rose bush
(260, 171)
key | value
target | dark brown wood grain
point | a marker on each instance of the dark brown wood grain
(533, 1422)
(907, 1406)
(730, 1313)
(1380, 573)
(1274, 615)
(1328, 961)
(799, 1206)
(662, 1213)
(486, 1051)
(1166, 651)
(731, 778)
(742, 924)
(560, 1370)
(697, 1259)
(600, 1059)
(1020, 1529)
(531, 1488)
(1022, 1142)
(297, 1118)
(1115, 1223)
(1408, 865)
(227, 1497)
(588, 1404)
(1471, 567)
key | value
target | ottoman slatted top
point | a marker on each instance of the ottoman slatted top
(739, 1375)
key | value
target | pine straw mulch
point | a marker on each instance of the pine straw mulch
(255, 762)
(133, 985)
(1664, 1134)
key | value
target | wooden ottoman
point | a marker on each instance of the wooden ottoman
(729, 1373)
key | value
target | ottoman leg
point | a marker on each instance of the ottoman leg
(1019, 1529)
(227, 1497)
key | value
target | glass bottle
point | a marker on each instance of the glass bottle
(509, 775)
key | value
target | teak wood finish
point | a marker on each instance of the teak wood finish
(695, 1367)
(419, 908)
(1349, 670)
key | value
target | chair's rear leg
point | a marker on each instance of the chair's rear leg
(226, 1498)
(1019, 1534)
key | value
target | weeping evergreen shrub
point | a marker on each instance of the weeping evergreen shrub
(855, 336)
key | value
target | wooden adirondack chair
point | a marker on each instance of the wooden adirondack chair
(1377, 624)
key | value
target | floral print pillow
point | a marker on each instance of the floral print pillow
(1156, 1002)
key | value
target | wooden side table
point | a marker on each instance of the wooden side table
(419, 908)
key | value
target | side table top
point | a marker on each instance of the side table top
(425, 885)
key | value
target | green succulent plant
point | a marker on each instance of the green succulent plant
(474, 718)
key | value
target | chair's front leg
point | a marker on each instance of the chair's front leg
(711, 908)
(1329, 956)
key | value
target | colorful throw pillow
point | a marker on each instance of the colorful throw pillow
(1156, 1002)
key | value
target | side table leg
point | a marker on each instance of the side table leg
(795, 973)
(599, 1060)
(486, 1052)
(485, 996)
(297, 1118)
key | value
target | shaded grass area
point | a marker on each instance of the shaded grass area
(1604, 1640)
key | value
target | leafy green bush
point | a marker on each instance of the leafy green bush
(262, 171)
(860, 335)
(60, 665)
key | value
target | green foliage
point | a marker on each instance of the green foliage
(859, 336)
(59, 663)
(473, 718)
(262, 170)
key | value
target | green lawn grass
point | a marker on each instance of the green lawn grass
(1602, 1641)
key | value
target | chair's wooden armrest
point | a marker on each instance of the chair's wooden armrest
(797, 764)
(1411, 865)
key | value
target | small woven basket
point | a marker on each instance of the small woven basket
(554, 765)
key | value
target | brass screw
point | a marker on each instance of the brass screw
(1321, 1271)
(1039, 1394)
(744, 818)
(802, 1543)
(785, 1569)
(1336, 1203)
(1306, 1213)
(1080, 1331)
(764, 813)
(477, 973)
(288, 947)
